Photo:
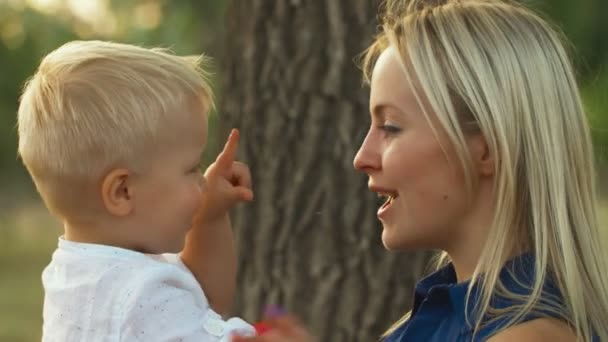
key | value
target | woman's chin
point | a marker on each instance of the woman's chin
(394, 242)
(389, 242)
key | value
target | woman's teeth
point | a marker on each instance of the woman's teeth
(388, 201)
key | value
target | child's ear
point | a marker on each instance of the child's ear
(483, 159)
(117, 192)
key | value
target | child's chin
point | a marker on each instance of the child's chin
(175, 249)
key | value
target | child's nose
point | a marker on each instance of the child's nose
(202, 183)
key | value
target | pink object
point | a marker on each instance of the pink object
(261, 327)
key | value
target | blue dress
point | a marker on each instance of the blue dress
(438, 314)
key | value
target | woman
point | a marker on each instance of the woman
(479, 142)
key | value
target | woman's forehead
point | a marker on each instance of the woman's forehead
(389, 83)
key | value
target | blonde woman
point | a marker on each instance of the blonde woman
(479, 142)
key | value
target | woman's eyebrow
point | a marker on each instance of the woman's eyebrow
(379, 110)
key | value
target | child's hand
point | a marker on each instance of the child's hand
(285, 328)
(227, 182)
(209, 251)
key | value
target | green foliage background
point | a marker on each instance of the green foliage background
(28, 31)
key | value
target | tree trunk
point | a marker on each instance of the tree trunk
(311, 240)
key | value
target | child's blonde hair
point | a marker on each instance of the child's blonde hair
(94, 105)
(495, 67)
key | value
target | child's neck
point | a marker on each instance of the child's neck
(97, 232)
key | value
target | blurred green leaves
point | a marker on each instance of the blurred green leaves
(31, 28)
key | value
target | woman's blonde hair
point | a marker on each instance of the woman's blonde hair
(497, 68)
(92, 105)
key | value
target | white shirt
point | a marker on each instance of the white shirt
(103, 293)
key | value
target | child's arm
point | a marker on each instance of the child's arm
(210, 252)
(210, 255)
(162, 303)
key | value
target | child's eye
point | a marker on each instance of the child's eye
(196, 168)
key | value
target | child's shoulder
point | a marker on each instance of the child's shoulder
(119, 292)
(123, 278)
(94, 264)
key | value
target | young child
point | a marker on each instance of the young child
(479, 141)
(112, 135)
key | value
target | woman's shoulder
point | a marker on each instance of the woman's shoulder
(540, 329)
(519, 310)
(443, 307)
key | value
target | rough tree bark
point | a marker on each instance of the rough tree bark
(311, 240)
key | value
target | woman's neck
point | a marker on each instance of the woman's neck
(469, 238)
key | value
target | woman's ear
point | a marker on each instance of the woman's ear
(117, 191)
(483, 159)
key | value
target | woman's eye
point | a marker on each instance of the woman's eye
(389, 128)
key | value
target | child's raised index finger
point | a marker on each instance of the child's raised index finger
(226, 157)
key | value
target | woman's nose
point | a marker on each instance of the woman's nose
(367, 158)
